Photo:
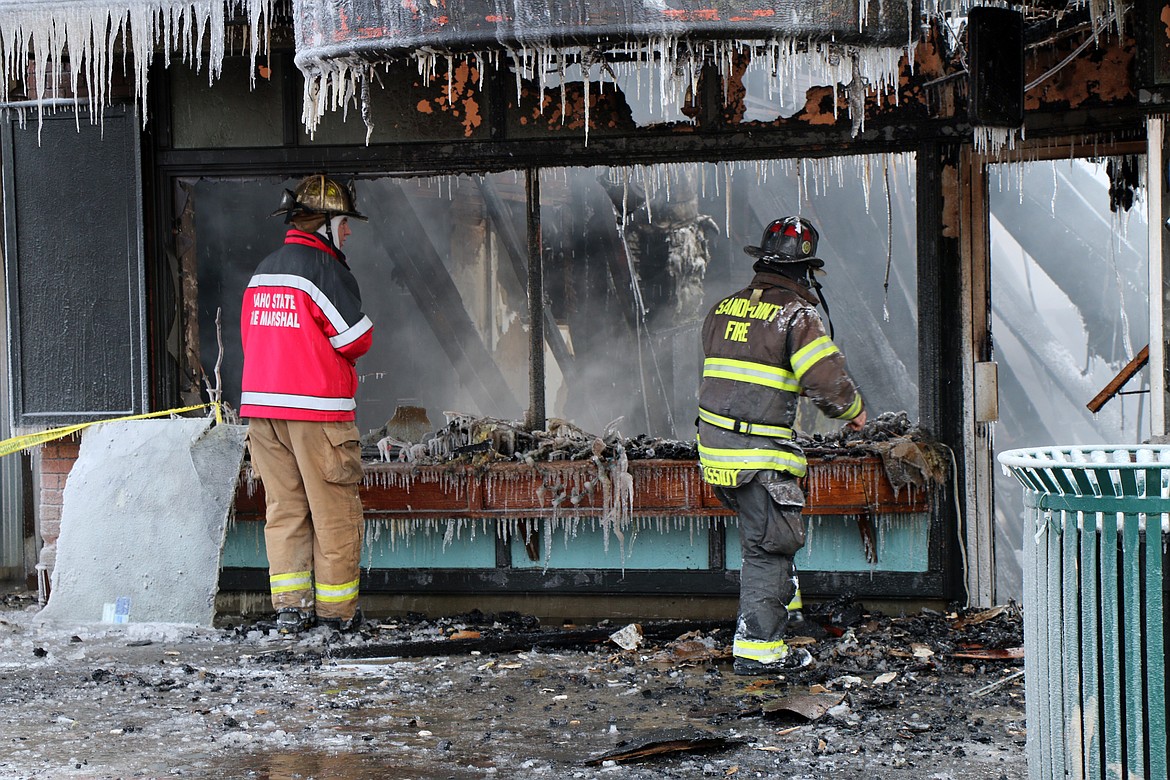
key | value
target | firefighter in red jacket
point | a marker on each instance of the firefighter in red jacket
(303, 329)
(764, 347)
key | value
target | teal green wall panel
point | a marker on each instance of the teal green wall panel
(455, 544)
(834, 544)
(243, 546)
(648, 545)
(469, 545)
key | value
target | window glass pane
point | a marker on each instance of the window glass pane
(408, 106)
(1069, 304)
(631, 302)
(441, 264)
(445, 302)
(628, 92)
(226, 113)
(768, 96)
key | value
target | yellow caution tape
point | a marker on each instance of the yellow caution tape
(19, 443)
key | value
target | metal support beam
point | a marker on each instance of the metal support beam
(536, 409)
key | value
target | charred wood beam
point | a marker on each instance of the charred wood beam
(1123, 376)
(749, 142)
(428, 281)
(573, 639)
(940, 346)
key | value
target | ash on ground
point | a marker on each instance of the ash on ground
(928, 695)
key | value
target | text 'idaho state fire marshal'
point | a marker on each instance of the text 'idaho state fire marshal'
(275, 309)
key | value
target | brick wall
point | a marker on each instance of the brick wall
(56, 459)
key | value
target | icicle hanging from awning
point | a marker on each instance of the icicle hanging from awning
(44, 41)
(858, 43)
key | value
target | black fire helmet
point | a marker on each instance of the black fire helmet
(788, 240)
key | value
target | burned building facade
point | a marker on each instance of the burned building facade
(555, 198)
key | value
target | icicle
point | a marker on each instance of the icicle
(991, 141)
(889, 240)
(85, 34)
(727, 199)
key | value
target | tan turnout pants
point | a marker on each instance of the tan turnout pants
(313, 529)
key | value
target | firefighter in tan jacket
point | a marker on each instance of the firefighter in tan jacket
(764, 347)
(303, 329)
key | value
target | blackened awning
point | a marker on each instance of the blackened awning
(373, 30)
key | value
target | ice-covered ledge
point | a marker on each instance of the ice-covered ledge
(657, 488)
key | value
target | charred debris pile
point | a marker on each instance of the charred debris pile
(855, 649)
(898, 688)
(910, 454)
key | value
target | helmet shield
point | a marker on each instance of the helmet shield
(788, 240)
(319, 195)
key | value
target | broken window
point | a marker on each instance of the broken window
(633, 259)
(1069, 303)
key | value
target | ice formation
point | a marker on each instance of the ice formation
(59, 48)
(62, 48)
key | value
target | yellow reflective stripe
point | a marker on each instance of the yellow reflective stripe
(811, 353)
(752, 458)
(753, 373)
(764, 652)
(758, 429)
(796, 603)
(853, 410)
(286, 583)
(336, 593)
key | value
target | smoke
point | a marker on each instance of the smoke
(633, 258)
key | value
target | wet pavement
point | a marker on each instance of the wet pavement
(922, 696)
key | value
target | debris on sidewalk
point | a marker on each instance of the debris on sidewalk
(991, 654)
(663, 743)
(628, 638)
(810, 706)
(986, 689)
(691, 649)
(475, 695)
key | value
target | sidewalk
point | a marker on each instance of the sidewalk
(888, 698)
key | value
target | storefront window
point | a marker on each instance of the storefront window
(632, 261)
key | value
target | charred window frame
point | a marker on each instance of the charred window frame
(712, 141)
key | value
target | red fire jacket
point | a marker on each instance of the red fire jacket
(303, 329)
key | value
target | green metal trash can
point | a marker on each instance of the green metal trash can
(1095, 527)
